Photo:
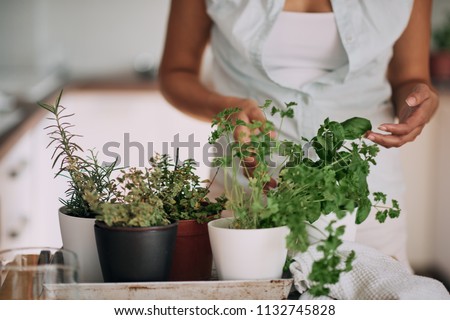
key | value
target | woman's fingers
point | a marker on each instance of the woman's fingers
(391, 140)
(250, 113)
(242, 133)
(270, 185)
(417, 117)
(250, 164)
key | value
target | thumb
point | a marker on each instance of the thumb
(420, 93)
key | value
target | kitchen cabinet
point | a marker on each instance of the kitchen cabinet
(28, 192)
(16, 195)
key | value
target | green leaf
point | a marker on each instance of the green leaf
(289, 113)
(291, 104)
(47, 107)
(348, 262)
(266, 105)
(356, 127)
(381, 216)
(394, 211)
(379, 196)
(274, 111)
(363, 211)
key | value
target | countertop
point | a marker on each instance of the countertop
(22, 119)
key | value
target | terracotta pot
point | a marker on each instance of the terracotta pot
(133, 254)
(192, 259)
(440, 65)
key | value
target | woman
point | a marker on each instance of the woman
(336, 59)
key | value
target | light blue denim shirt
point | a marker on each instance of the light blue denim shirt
(368, 30)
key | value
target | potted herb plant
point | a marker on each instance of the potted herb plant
(134, 235)
(84, 174)
(440, 53)
(322, 177)
(185, 200)
(136, 229)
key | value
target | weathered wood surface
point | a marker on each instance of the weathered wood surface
(193, 290)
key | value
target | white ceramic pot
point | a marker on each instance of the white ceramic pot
(257, 254)
(78, 236)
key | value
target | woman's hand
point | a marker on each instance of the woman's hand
(414, 98)
(250, 112)
(417, 110)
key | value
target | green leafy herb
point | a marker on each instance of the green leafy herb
(179, 187)
(135, 203)
(318, 176)
(163, 193)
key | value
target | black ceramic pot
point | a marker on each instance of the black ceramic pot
(130, 254)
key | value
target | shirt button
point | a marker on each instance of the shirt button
(349, 38)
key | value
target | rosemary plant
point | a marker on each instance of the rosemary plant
(84, 174)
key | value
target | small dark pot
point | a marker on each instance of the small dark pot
(130, 254)
(192, 259)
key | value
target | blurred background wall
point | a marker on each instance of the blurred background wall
(89, 38)
(82, 39)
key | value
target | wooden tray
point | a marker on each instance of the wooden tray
(193, 290)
